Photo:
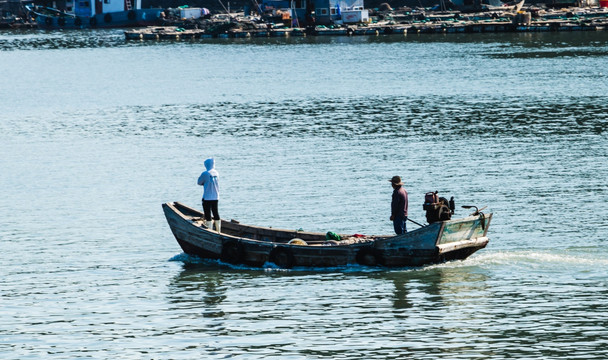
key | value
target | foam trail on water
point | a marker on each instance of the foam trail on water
(530, 257)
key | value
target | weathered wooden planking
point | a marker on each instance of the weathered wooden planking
(253, 245)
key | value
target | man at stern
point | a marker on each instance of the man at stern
(399, 206)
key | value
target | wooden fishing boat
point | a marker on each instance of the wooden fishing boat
(255, 246)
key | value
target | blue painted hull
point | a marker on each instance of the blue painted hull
(131, 18)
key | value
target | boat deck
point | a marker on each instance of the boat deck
(280, 236)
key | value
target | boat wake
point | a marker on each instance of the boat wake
(534, 258)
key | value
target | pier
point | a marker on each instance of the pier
(588, 19)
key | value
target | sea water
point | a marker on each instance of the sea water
(97, 132)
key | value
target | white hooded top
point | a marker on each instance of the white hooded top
(209, 179)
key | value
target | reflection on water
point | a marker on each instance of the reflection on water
(191, 288)
(464, 310)
(524, 45)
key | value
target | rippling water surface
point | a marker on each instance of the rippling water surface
(96, 133)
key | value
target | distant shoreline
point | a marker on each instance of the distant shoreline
(574, 19)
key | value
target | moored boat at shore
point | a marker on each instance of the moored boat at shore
(255, 246)
(99, 15)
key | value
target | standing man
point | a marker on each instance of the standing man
(399, 206)
(209, 179)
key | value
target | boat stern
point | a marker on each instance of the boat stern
(435, 243)
(460, 238)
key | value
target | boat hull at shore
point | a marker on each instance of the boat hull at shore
(257, 246)
(132, 18)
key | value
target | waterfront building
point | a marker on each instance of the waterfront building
(317, 12)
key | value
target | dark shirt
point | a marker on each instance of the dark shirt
(399, 203)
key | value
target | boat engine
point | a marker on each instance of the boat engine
(438, 208)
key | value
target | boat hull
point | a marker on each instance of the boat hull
(120, 19)
(253, 246)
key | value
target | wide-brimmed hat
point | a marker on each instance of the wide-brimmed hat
(396, 180)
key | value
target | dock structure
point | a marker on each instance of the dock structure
(522, 21)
